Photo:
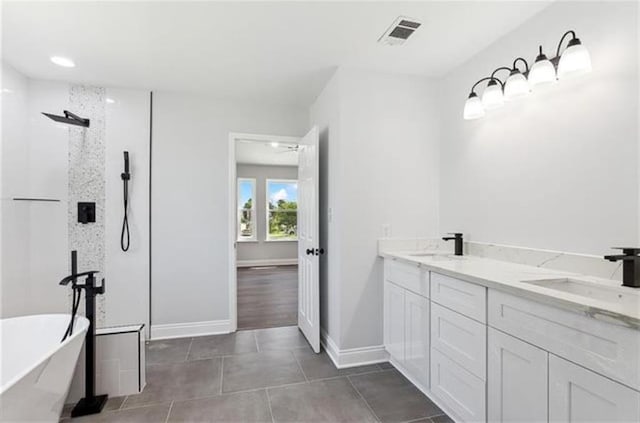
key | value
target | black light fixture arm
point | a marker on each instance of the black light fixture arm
(473, 88)
(493, 74)
(573, 37)
(526, 64)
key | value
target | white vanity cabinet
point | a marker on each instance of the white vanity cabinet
(593, 366)
(517, 384)
(406, 320)
(579, 395)
(483, 354)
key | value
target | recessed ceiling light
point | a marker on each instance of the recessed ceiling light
(275, 144)
(110, 100)
(63, 61)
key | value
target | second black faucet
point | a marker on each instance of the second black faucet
(457, 237)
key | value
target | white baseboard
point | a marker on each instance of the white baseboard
(352, 357)
(182, 330)
(268, 262)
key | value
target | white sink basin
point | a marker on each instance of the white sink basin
(592, 290)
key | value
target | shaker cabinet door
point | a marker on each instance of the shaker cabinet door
(516, 380)
(394, 321)
(416, 346)
(579, 395)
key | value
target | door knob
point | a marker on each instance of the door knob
(310, 251)
(319, 251)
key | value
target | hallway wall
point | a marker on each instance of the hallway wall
(190, 195)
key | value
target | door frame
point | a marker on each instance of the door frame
(234, 137)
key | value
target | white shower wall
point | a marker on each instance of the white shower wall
(127, 128)
(34, 164)
(36, 237)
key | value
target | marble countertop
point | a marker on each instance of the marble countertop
(616, 304)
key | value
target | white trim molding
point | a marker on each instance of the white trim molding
(352, 357)
(183, 330)
(267, 262)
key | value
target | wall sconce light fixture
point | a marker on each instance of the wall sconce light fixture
(573, 61)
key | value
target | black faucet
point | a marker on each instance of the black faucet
(630, 266)
(458, 239)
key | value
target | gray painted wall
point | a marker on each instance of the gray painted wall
(262, 250)
(523, 176)
(190, 195)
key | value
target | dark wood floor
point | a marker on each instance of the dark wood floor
(268, 297)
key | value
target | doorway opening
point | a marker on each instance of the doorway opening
(291, 217)
(266, 237)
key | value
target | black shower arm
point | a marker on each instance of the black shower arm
(70, 115)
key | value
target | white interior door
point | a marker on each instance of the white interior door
(309, 250)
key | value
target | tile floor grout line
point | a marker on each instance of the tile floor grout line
(417, 420)
(169, 412)
(223, 394)
(269, 403)
(188, 350)
(438, 415)
(300, 366)
(123, 403)
(340, 376)
(364, 400)
(286, 385)
(151, 404)
(221, 374)
(422, 418)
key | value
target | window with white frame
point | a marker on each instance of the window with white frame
(282, 210)
(247, 230)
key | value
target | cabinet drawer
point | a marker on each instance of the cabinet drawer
(460, 338)
(408, 276)
(460, 391)
(463, 297)
(611, 350)
(578, 395)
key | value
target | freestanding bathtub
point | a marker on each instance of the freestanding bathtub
(35, 367)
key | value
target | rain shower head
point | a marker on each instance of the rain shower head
(69, 118)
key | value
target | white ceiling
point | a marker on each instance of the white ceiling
(268, 52)
(263, 153)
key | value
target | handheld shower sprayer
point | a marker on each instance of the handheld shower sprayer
(126, 176)
(126, 165)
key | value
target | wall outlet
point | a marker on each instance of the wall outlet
(386, 230)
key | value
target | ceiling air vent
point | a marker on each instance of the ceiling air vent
(399, 31)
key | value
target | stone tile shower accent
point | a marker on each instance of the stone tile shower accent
(87, 182)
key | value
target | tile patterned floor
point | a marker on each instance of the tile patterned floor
(264, 375)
